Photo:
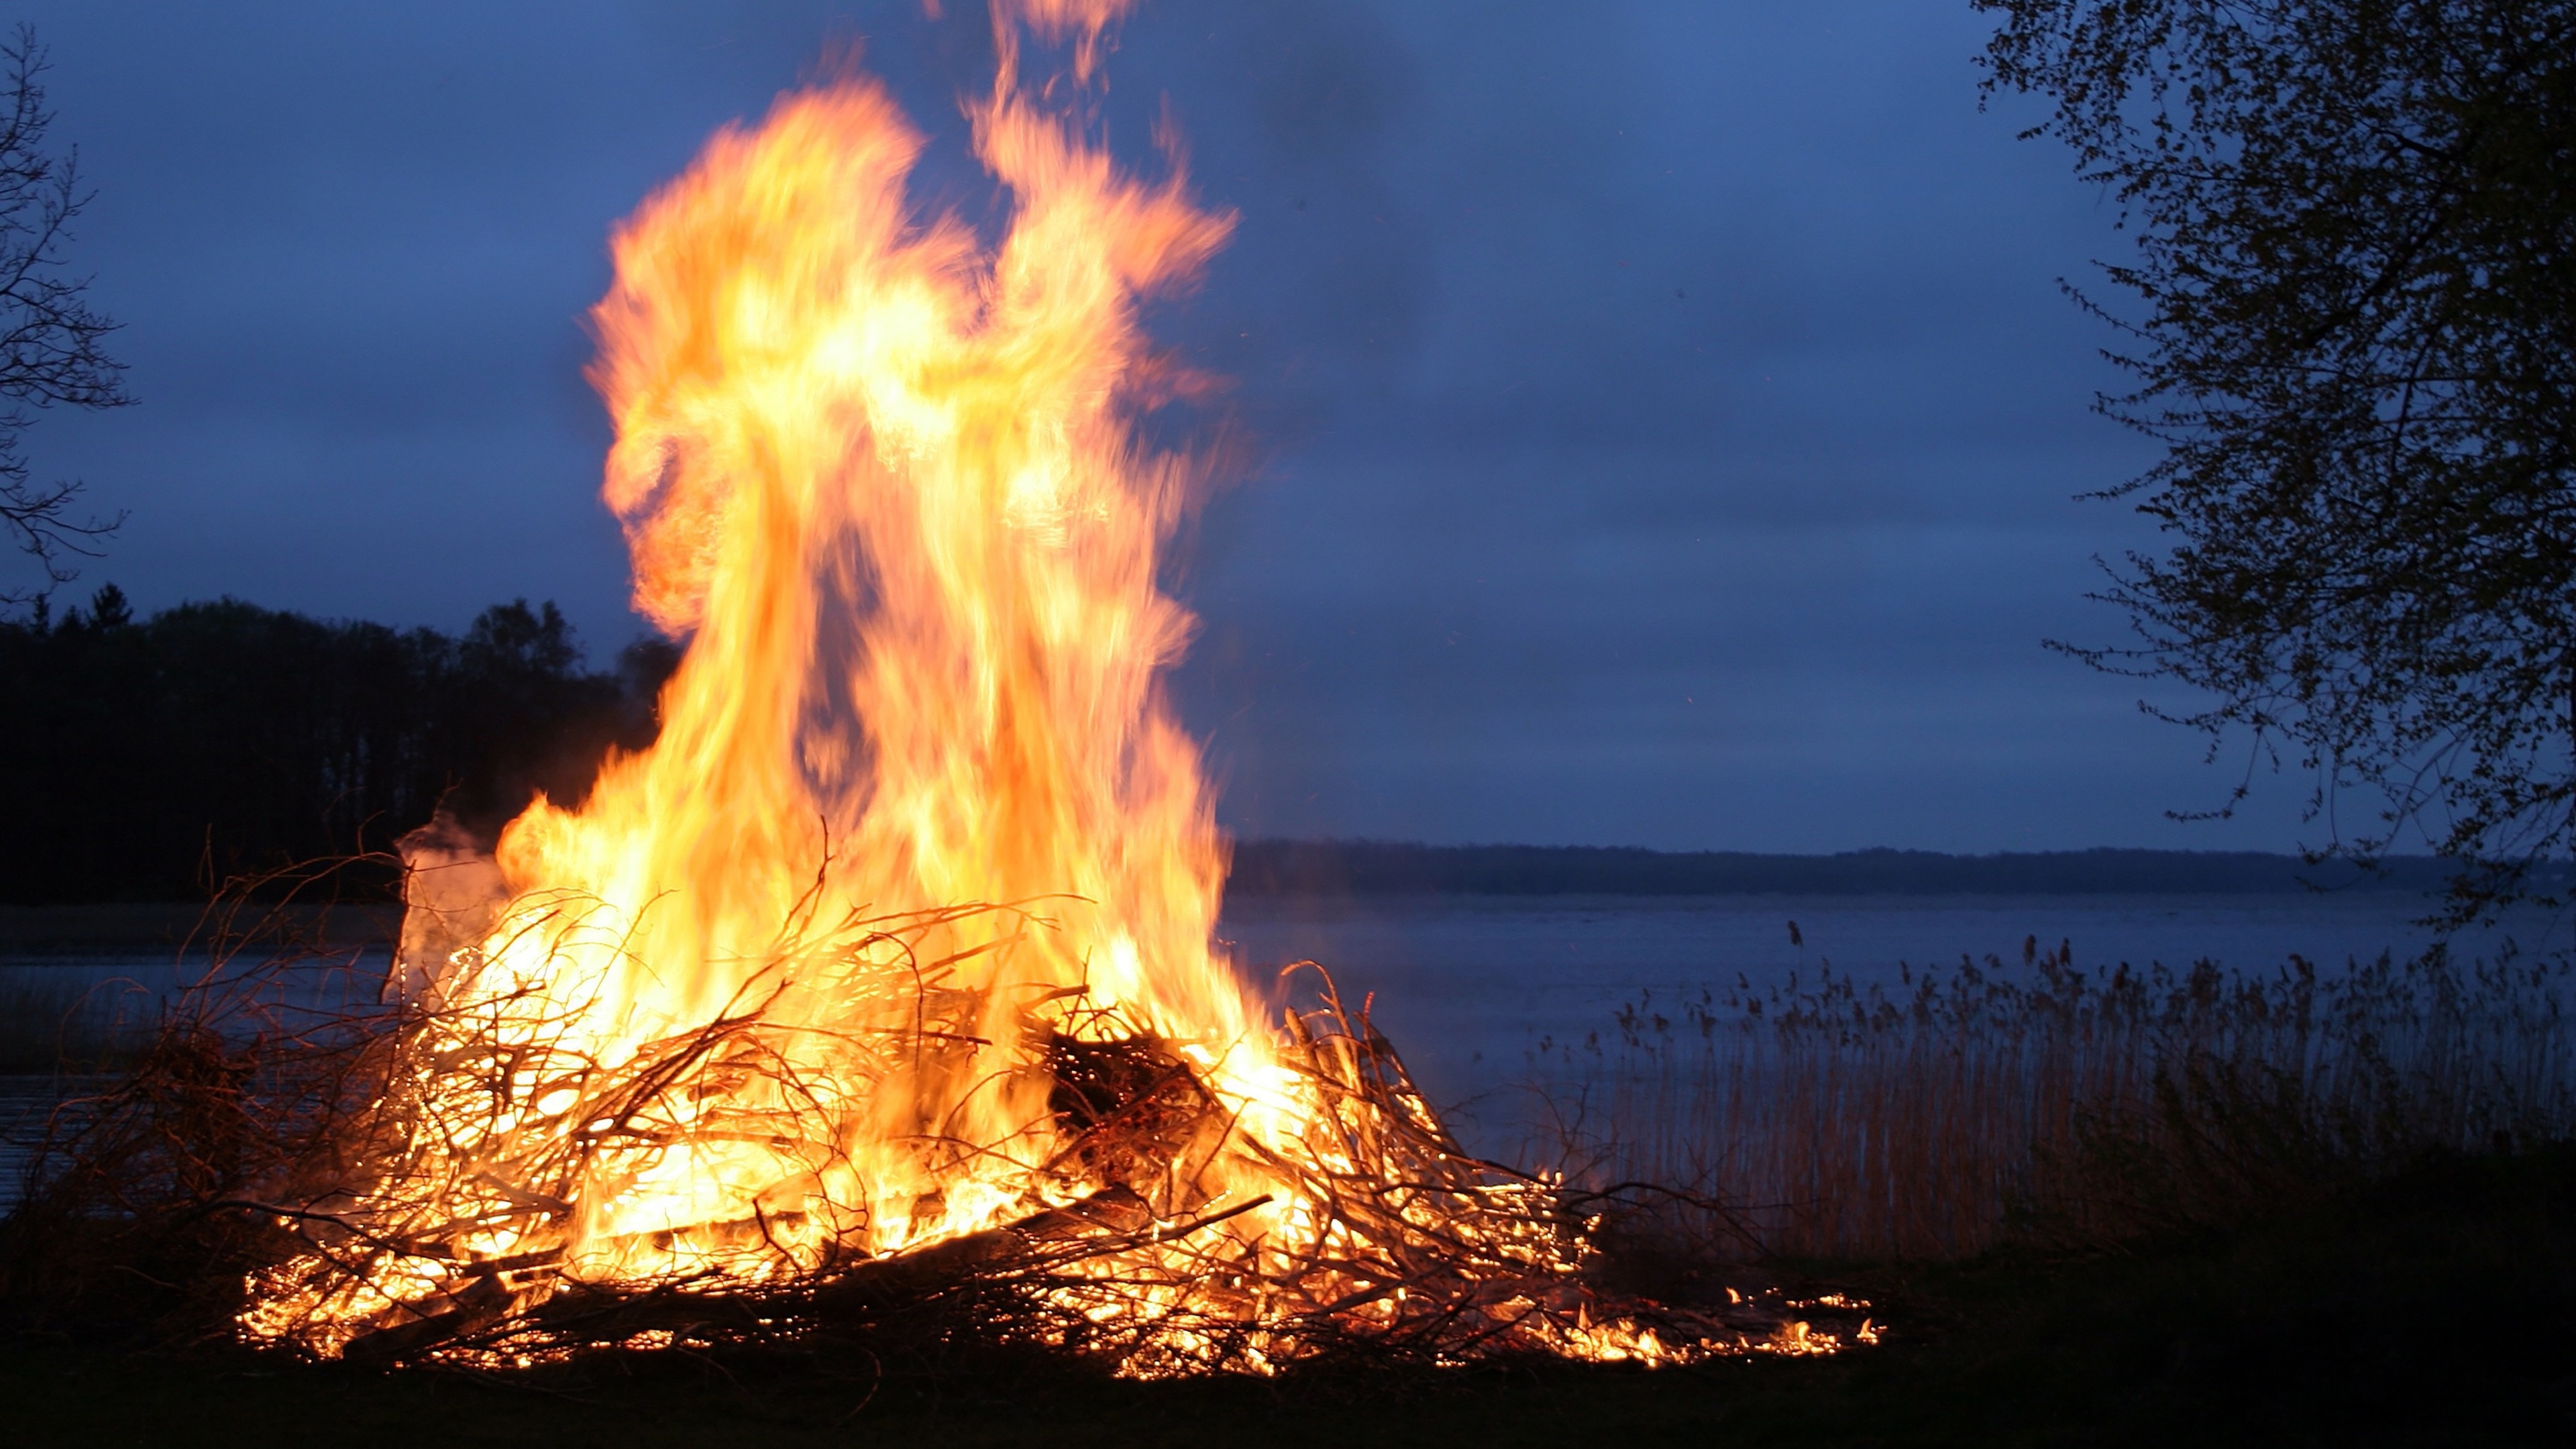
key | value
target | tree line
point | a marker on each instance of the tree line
(1325, 870)
(158, 758)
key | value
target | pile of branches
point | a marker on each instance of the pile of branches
(123, 1217)
(298, 1170)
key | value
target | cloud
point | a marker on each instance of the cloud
(1669, 420)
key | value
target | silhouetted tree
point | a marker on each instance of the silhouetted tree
(51, 339)
(520, 706)
(2354, 327)
(155, 758)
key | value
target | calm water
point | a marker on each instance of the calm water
(87, 996)
(1466, 985)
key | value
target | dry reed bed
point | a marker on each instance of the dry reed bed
(1978, 1105)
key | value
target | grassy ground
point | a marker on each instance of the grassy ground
(2438, 1307)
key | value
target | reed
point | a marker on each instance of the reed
(64, 1018)
(1978, 1105)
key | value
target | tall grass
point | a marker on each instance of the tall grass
(1981, 1103)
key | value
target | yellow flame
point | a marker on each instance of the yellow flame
(884, 480)
(879, 475)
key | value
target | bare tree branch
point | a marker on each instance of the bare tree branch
(52, 342)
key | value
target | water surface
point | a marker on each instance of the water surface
(1467, 985)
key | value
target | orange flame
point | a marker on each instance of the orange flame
(884, 481)
(879, 476)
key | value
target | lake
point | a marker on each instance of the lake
(1465, 985)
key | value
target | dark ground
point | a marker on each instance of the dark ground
(2435, 1308)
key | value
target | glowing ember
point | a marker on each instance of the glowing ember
(725, 1028)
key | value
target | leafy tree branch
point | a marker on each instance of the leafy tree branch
(2350, 317)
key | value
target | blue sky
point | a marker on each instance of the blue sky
(1667, 424)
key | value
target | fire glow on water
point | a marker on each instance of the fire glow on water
(895, 947)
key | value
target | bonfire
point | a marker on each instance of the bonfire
(886, 977)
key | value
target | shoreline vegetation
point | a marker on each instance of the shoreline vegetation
(2033, 1106)
(155, 759)
(2247, 1250)
(2111, 1206)
(2082, 1205)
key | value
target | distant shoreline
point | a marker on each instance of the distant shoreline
(1276, 871)
(1337, 868)
(119, 927)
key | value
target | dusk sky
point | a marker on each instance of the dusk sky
(1667, 424)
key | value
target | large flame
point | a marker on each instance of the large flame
(885, 484)
(900, 934)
